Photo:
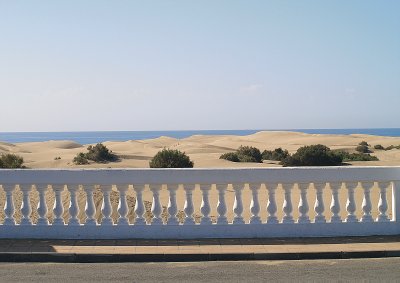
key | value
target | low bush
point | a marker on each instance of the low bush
(278, 154)
(170, 158)
(98, 153)
(363, 143)
(346, 156)
(11, 161)
(363, 149)
(390, 147)
(249, 154)
(379, 147)
(230, 156)
(313, 155)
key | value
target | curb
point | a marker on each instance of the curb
(104, 258)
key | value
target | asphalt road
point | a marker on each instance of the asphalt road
(386, 269)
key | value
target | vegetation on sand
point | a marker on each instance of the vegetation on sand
(11, 161)
(98, 153)
(171, 158)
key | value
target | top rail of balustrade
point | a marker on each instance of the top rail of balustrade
(199, 176)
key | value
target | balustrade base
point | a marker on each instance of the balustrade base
(199, 231)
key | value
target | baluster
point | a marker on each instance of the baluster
(255, 204)
(205, 204)
(351, 203)
(335, 204)
(366, 204)
(156, 208)
(106, 208)
(272, 208)
(58, 208)
(26, 209)
(189, 208)
(42, 206)
(90, 208)
(238, 204)
(123, 205)
(383, 205)
(73, 205)
(287, 204)
(319, 206)
(9, 205)
(221, 206)
(303, 204)
(172, 206)
(139, 206)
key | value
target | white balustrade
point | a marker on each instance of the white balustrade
(90, 208)
(287, 204)
(172, 205)
(366, 204)
(221, 206)
(271, 206)
(319, 206)
(383, 204)
(255, 204)
(350, 183)
(139, 207)
(238, 205)
(351, 202)
(189, 207)
(205, 207)
(335, 204)
(156, 208)
(303, 204)
(42, 206)
(73, 206)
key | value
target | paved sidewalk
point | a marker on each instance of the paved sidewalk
(195, 250)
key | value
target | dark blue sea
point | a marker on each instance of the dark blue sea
(95, 137)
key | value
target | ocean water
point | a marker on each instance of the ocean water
(95, 137)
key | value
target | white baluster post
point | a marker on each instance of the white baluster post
(139, 206)
(26, 209)
(255, 204)
(287, 204)
(351, 202)
(9, 208)
(42, 205)
(303, 204)
(58, 208)
(396, 201)
(272, 207)
(221, 206)
(156, 208)
(189, 208)
(366, 204)
(90, 208)
(123, 205)
(238, 204)
(319, 206)
(172, 205)
(205, 208)
(73, 205)
(106, 208)
(383, 204)
(335, 204)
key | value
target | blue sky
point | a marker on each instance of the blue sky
(178, 65)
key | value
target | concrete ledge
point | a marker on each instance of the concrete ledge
(104, 258)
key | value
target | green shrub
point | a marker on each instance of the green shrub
(277, 154)
(356, 156)
(390, 147)
(98, 153)
(363, 143)
(313, 155)
(378, 146)
(363, 149)
(230, 156)
(170, 158)
(80, 159)
(249, 154)
(11, 161)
